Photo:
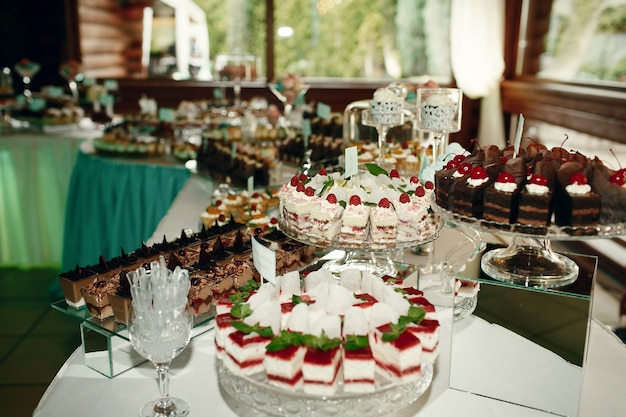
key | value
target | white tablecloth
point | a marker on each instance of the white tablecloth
(78, 390)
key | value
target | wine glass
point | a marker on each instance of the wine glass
(27, 69)
(382, 125)
(439, 112)
(71, 71)
(160, 328)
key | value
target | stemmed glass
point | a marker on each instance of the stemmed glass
(439, 112)
(27, 69)
(382, 126)
(160, 328)
(71, 71)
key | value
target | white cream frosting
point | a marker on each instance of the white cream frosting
(505, 187)
(537, 189)
(386, 95)
(578, 189)
(477, 182)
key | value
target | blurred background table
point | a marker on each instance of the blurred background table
(116, 203)
(35, 171)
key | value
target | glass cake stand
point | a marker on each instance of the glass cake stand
(254, 391)
(529, 260)
(365, 256)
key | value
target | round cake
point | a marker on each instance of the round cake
(324, 334)
(374, 207)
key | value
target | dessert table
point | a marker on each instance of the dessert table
(194, 379)
(35, 171)
(116, 203)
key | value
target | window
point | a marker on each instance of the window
(586, 42)
(327, 39)
(546, 87)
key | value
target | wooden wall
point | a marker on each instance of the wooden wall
(110, 38)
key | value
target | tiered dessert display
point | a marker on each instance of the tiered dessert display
(372, 211)
(535, 195)
(350, 343)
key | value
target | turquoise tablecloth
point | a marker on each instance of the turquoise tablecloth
(114, 204)
(35, 170)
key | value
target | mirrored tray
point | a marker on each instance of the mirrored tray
(388, 396)
(366, 246)
(201, 323)
(529, 259)
(551, 232)
(463, 307)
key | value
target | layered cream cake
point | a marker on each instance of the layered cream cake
(374, 206)
(323, 334)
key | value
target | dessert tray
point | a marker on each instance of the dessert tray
(366, 246)
(201, 322)
(529, 260)
(256, 392)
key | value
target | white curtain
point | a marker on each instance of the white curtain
(477, 56)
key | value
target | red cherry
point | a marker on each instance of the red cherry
(404, 198)
(256, 195)
(452, 164)
(355, 200)
(420, 191)
(384, 203)
(323, 171)
(618, 178)
(331, 198)
(274, 220)
(394, 173)
(429, 185)
(309, 191)
(414, 180)
(300, 188)
(405, 145)
(302, 177)
(294, 181)
(578, 178)
(538, 179)
(505, 177)
(465, 168)
(459, 158)
(218, 202)
(478, 173)
(221, 218)
(253, 207)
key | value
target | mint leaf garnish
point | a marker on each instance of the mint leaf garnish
(327, 184)
(247, 329)
(241, 311)
(284, 340)
(396, 329)
(322, 342)
(355, 342)
(375, 169)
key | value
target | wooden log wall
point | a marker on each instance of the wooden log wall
(110, 38)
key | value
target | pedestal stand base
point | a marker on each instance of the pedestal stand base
(531, 263)
(363, 261)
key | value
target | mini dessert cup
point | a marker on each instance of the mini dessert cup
(71, 283)
(96, 297)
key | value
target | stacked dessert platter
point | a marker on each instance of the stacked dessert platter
(534, 195)
(326, 344)
(364, 210)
